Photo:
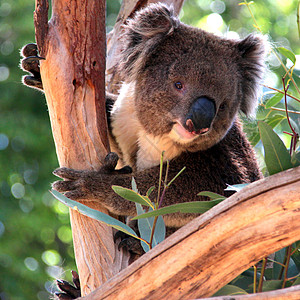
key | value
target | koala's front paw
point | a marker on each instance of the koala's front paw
(68, 291)
(31, 63)
(88, 184)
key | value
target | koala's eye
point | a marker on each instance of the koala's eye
(178, 85)
(222, 106)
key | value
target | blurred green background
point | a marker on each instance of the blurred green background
(35, 235)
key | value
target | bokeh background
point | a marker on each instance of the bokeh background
(35, 235)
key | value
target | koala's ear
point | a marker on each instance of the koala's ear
(142, 34)
(251, 56)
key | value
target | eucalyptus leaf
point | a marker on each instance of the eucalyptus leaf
(288, 54)
(236, 187)
(150, 190)
(275, 120)
(243, 282)
(297, 281)
(277, 157)
(131, 195)
(274, 100)
(199, 207)
(253, 132)
(271, 285)
(94, 214)
(230, 290)
(211, 195)
(133, 185)
(145, 227)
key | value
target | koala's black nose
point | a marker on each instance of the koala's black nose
(201, 115)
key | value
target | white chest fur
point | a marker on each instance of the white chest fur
(138, 147)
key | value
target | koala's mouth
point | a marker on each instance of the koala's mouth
(181, 134)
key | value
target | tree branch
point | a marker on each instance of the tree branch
(217, 246)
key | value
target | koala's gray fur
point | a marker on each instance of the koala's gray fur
(168, 66)
(148, 115)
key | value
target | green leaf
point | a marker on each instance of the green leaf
(274, 100)
(131, 195)
(150, 190)
(199, 207)
(211, 195)
(297, 281)
(94, 214)
(133, 185)
(271, 285)
(242, 282)
(277, 157)
(230, 290)
(288, 54)
(236, 187)
(145, 227)
(275, 120)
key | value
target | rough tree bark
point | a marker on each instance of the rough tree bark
(73, 43)
(217, 246)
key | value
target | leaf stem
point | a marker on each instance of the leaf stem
(254, 279)
(176, 176)
(295, 135)
(288, 257)
(160, 177)
(263, 268)
(152, 232)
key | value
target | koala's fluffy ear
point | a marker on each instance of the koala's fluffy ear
(251, 57)
(142, 34)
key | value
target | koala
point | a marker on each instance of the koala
(182, 93)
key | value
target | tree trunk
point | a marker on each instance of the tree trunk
(210, 251)
(73, 43)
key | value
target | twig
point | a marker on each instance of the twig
(289, 250)
(255, 279)
(262, 273)
(281, 92)
(280, 109)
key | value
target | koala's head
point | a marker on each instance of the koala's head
(189, 84)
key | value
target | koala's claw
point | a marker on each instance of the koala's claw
(64, 186)
(32, 82)
(29, 50)
(68, 174)
(111, 160)
(68, 291)
(31, 63)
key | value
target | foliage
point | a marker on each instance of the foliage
(35, 236)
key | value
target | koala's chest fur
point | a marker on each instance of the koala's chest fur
(139, 149)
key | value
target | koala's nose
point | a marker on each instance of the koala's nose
(200, 115)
